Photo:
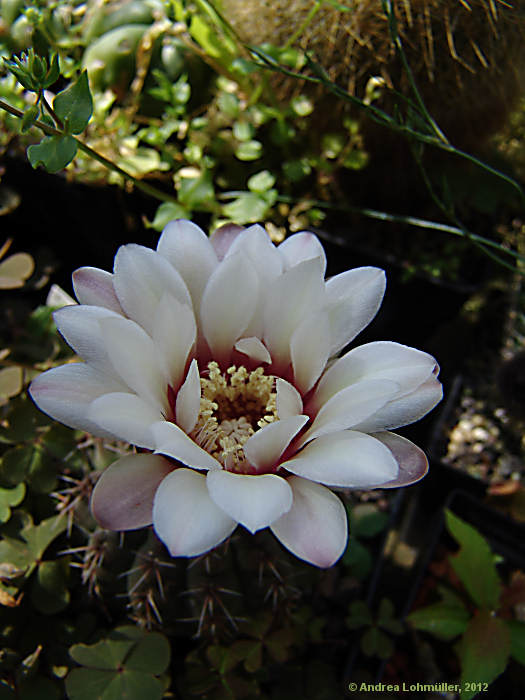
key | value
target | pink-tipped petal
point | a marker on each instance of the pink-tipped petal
(65, 393)
(184, 516)
(80, 327)
(351, 407)
(315, 528)
(288, 401)
(223, 237)
(174, 335)
(378, 360)
(309, 350)
(190, 252)
(125, 415)
(254, 349)
(413, 464)
(95, 287)
(123, 496)
(264, 447)
(253, 501)
(297, 293)
(354, 298)
(132, 354)
(188, 402)
(170, 440)
(254, 242)
(301, 246)
(405, 410)
(348, 459)
(228, 304)
(141, 278)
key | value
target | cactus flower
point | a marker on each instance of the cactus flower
(217, 358)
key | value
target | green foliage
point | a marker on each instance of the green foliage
(366, 521)
(127, 664)
(374, 640)
(74, 105)
(8, 499)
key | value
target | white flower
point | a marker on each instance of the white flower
(215, 355)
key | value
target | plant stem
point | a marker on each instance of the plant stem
(52, 131)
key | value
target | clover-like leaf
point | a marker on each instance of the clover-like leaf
(9, 498)
(442, 620)
(74, 105)
(53, 153)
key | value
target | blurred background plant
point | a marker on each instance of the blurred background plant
(392, 128)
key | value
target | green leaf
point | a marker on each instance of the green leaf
(367, 521)
(50, 594)
(360, 615)
(474, 563)
(108, 654)
(150, 655)
(517, 640)
(376, 643)
(74, 105)
(484, 650)
(91, 684)
(358, 558)
(261, 182)
(250, 651)
(24, 551)
(248, 208)
(53, 152)
(168, 211)
(243, 131)
(29, 118)
(442, 620)
(386, 617)
(249, 150)
(195, 192)
(8, 498)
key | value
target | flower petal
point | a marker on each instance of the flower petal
(254, 349)
(79, 325)
(354, 298)
(349, 459)
(95, 287)
(351, 406)
(315, 528)
(301, 246)
(228, 304)
(132, 354)
(123, 496)
(66, 392)
(413, 464)
(174, 333)
(184, 516)
(222, 238)
(288, 400)
(379, 360)
(170, 440)
(188, 402)
(294, 295)
(309, 350)
(254, 501)
(141, 278)
(404, 410)
(189, 250)
(265, 446)
(125, 415)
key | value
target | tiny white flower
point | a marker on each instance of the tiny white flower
(217, 356)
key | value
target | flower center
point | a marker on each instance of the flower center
(234, 405)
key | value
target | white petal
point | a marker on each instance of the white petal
(81, 329)
(254, 349)
(188, 402)
(184, 516)
(141, 278)
(123, 496)
(174, 333)
(66, 392)
(351, 406)
(133, 356)
(349, 459)
(354, 298)
(406, 409)
(315, 528)
(95, 287)
(254, 501)
(288, 401)
(265, 446)
(294, 295)
(310, 349)
(170, 440)
(301, 246)
(189, 250)
(228, 304)
(125, 415)
(222, 238)
(379, 360)
(413, 464)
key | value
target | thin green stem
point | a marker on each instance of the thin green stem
(52, 131)
(307, 20)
